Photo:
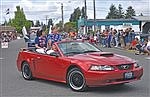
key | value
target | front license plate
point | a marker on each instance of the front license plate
(128, 75)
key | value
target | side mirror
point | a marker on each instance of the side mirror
(54, 54)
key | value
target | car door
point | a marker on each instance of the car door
(47, 66)
(42, 65)
(59, 66)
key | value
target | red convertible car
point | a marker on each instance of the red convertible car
(80, 65)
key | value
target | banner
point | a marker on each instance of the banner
(4, 44)
(24, 31)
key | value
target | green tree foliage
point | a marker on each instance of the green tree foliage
(83, 12)
(32, 23)
(75, 15)
(130, 12)
(50, 22)
(141, 14)
(37, 23)
(42, 24)
(60, 26)
(113, 13)
(70, 26)
(20, 20)
(120, 11)
(44, 28)
(5, 23)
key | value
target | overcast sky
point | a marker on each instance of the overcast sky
(39, 9)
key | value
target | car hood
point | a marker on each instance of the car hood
(105, 58)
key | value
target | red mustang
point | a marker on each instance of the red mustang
(79, 64)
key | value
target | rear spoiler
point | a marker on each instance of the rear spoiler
(24, 49)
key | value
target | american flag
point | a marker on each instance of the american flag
(7, 11)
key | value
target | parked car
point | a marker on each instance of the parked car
(80, 65)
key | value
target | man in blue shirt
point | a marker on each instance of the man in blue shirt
(54, 36)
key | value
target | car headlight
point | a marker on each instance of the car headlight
(136, 65)
(101, 67)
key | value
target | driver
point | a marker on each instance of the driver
(53, 49)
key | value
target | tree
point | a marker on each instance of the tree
(32, 23)
(70, 26)
(75, 15)
(113, 13)
(60, 26)
(50, 22)
(42, 24)
(5, 22)
(37, 23)
(141, 14)
(83, 12)
(44, 28)
(120, 11)
(20, 20)
(130, 12)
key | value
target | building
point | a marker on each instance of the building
(7, 29)
(137, 23)
(144, 23)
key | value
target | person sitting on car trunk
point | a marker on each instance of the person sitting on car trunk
(41, 42)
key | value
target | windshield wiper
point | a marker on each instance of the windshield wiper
(90, 51)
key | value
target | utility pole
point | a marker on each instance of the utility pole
(62, 15)
(46, 19)
(85, 17)
(94, 16)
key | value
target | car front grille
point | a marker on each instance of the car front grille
(125, 66)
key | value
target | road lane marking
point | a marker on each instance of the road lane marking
(148, 58)
(1, 58)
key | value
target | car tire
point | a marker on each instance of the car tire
(26, 71)
(76, 80)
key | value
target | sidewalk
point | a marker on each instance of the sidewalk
(129, 51)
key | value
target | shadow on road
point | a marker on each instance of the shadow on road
(104, 89)
(112, 89)
(49, 82)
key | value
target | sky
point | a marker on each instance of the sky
(40, 9)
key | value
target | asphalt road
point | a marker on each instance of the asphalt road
(13, 85)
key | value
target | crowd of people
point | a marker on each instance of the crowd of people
(7, 36)
(123, 38)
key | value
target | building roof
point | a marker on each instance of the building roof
(142, 18)
(115, 20)
(7, 28)
(107, 22)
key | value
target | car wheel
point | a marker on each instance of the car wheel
(26, 71)
(76, 80)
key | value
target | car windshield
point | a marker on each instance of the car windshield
(73, 48)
